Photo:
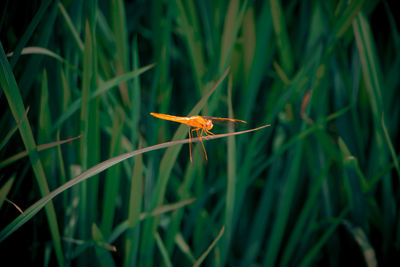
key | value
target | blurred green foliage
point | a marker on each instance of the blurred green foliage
(318, 187)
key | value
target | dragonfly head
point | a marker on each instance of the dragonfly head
(209, 125)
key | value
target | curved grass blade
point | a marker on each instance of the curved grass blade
(134, 209)
(36, 50)
(5, 189)
(296, 236)
(102, 249)
(163, 250)
(10, 134)
(71, 27)
(35, 208)
(231, 187)
(282, 36)
(16, 104)
(167, 162)
(166, 208)
(344, 22)
(313, 252)
(15, 206)
(390, 145)
(39, 148)
(29, 31)
(74, 107)
(232, 23)
(204, 255)
(122, 227)
(166, 165)
(361, 239)
(184, 247)
(171, 154)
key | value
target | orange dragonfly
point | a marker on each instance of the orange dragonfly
(201, 124)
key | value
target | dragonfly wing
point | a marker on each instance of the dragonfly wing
(224, 121)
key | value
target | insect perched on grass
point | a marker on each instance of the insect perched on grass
(201, 124)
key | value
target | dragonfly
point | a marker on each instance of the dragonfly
(200, 124)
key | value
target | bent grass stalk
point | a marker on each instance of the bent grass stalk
(35, 208)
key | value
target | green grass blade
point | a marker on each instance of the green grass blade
(71, 27)
(369, 63)
(103, 256)
(233, 20)
(283, 42)
(135, 208)
(249, 36)
(285, 202)
(101, 89)
(132, 237)
(298, 231)
(44, 112)
(32, 68)
(183, 192)
(12, 131)
(362, 240)
(29, 31)
(313, 253)
(391, 147)
(112, 177)
(35, 208)
(23, 154)
(118, 24)
(184, 247)
(278, 193)
(63, 175)
(163, 250)
(7, 81)
(262, 216)
(346, 19)
(264, 53)
(5, 189)
(136, 95)
(230, 201)
(122, 227)
(89, 128)
(188, 21)
(372, 76)
(166, 165)
(35, 50)
(208, 250)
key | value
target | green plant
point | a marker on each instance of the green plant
(318, 187)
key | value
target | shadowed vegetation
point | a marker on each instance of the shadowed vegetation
(319, 187)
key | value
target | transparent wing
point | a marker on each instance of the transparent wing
(224, 121)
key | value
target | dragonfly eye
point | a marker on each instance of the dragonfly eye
(209, 124)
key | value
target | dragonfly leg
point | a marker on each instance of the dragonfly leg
(208, 132)
(200, 135)
(191, 131)
(204, 133)
(190, 143)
